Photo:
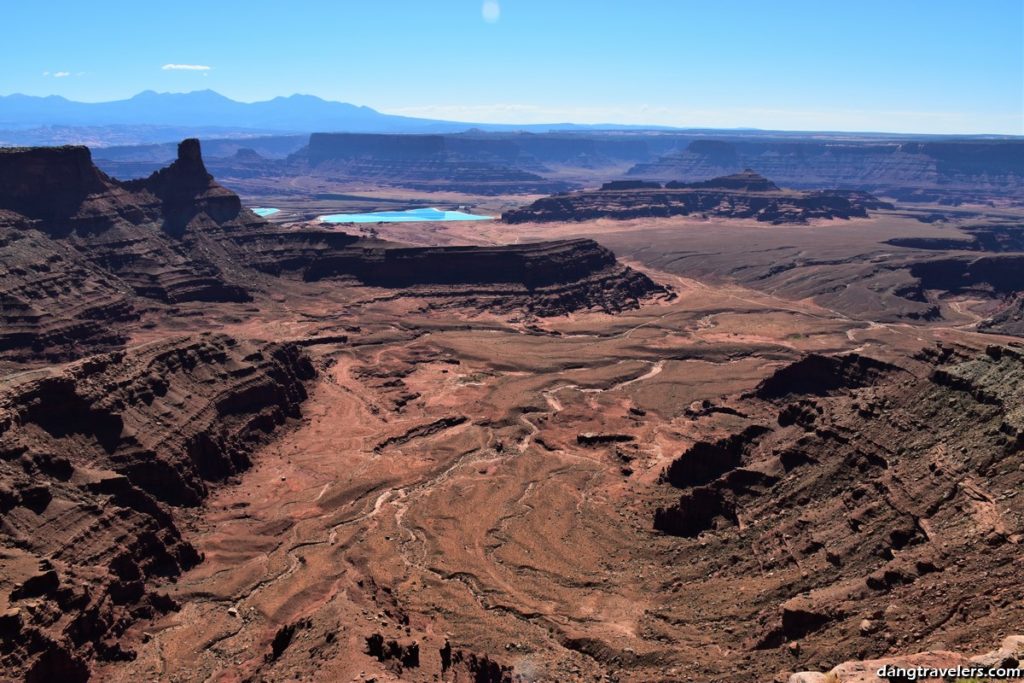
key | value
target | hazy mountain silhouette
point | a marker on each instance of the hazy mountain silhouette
(209, 109)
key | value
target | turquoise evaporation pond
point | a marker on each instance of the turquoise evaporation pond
(409, 216)
(265, 212)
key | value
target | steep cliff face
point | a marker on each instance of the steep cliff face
(426, 162)
(333, 146)
(79, 247)
(532, 265)
(83, 253)
(64, 174)
(952, 171)
(96, 461)
(742, 195)
(53, 303)
(878, 486)
(186, 191)
(1008, 321)
(544, 278)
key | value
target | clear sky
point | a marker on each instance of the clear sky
(893, 65)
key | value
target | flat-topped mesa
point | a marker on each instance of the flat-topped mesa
(950, 170)
(532, 265)
(47, 182)
(618, 185)
(747, 181)
(543, 278)
(325, 146)
(424, 162)
(740, 195)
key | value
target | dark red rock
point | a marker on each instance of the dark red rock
(77, 255)
(133, 456)
(742, 195)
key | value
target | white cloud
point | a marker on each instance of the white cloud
(186, 67)
(61, 74)
(491, 11)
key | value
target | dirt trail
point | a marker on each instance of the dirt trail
(501, 534)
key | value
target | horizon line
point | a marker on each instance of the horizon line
(594, 127)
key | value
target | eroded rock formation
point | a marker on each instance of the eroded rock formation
(425, 162)
(886, 485)
(949, 171)
(81, 254)
(743, 195)
(544, 278)
(97, 461)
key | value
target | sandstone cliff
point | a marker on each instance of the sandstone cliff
(888, 489)
(82, 254)
(950, 171)
(97, 461)
(742, 195)
(425, 162)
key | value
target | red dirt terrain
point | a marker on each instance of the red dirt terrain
(290, 453)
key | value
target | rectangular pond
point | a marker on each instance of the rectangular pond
(412, 215)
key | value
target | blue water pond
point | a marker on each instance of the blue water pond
(265, 212)
(409, 216)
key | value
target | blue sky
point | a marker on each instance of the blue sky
(898, 65)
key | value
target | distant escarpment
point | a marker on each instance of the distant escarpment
(424, 162)
(878, 492)
(950, 171)
(82, 254)
(742, 195)
(97, 461)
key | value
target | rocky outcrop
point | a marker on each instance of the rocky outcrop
(886, 491)
(746, 181)
(1008, 321)
(53, 303)
(79, 248)
(96, 461)
(399, 656)
(819, 375)
(186, 191)
(544, 278)
(539, 278)
(744, 195)
(83, 253)
(619, 185)
(953, 665)
(47, 182)
(950, 171)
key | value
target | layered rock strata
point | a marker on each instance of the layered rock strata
(889, 489)
(743, 195)
(99, 461)
(82, 254)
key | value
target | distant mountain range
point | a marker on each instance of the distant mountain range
(156, 117)
(152, 117)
